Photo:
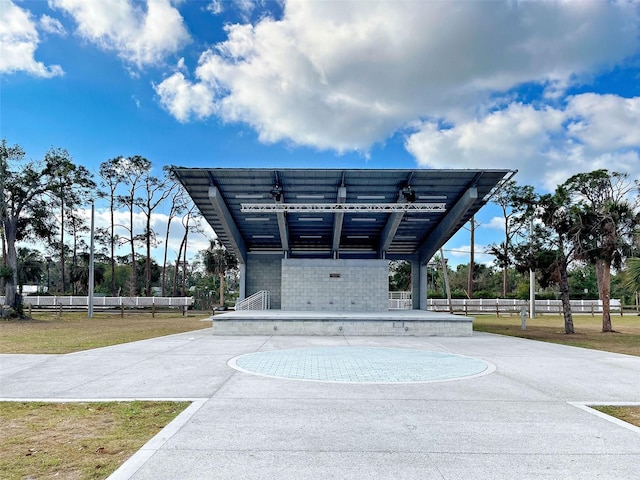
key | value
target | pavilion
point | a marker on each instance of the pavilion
(320, 240)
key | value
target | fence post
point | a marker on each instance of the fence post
(121, 309)
(497, 308)
(592, 313)
(60, 311)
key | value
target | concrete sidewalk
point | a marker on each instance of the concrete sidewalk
(524, 420)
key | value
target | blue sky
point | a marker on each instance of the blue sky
(548, 88)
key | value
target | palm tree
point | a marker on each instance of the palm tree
(30, 267)
(632, 274)
(217, 261)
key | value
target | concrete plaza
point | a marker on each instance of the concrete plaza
(524, 420)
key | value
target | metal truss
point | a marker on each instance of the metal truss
(343, 207)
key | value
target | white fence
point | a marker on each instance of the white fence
(52, 301)
(501, 305)
(402, 301)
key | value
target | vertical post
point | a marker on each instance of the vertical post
(532, 281)
(121, 309)
(91, 265)
(446, 280)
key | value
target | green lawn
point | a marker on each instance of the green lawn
(625, 339)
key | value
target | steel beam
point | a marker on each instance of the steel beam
(343, 207)
(337, 222)
(391, 227)
(238, 245)
(447, 227)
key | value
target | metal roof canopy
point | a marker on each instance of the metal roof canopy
(338, 213)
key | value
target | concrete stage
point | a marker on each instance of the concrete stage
(392, 322)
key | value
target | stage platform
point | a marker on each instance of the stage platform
(392, 322)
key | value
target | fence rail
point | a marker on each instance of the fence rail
(501, 305)
(402, 301)
(51, 301)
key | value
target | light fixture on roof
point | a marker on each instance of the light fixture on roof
(249, 195)
(276, 192)
(310, 197)
(409, 194)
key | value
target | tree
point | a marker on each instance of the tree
(30, 267)
(217, 261)
(399, 276)
(23, 208)
(179, 202)
(155, 192)
(133, 170)
(69, 188)
(608, 220)
(190, 216)
(112, 176)
(553, 245)
(79, 275)
(632, 274)
(513, 200)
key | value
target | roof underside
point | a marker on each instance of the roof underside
(394, 214)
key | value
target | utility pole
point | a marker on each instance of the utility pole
(445, 274)
(471, 258)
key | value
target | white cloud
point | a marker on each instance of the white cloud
(185, 99)
(345, 75)
(605, 122)
(603, 132)
(141, 33)
(18, 42)
(51, 25)
(496, 223)
(517, 136)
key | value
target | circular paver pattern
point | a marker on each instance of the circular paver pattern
(361, 365)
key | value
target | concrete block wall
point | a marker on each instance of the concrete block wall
(263, 273)
(335, 285)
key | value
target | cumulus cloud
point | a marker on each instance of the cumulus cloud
(345, 75)
(51, 25)
(546, 144)
(141, 33)
(19, 40)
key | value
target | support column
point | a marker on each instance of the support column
(415, 284)
(243, 281)
(424, 282)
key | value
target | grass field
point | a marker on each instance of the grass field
(625, 339)
(76, 440)
(72, 332)
(90, 440)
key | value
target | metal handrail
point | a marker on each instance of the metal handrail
(258, 301)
